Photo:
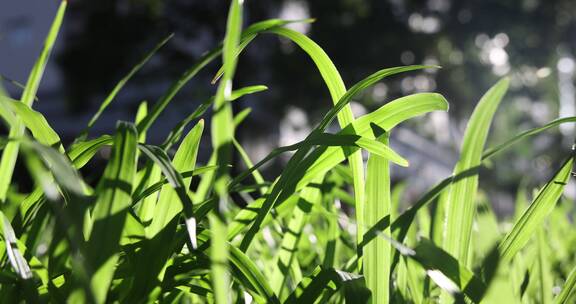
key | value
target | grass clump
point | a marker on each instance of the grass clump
(144, 234)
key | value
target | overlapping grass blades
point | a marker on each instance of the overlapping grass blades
(159, 228)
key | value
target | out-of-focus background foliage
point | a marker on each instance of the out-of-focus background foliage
(475, 42)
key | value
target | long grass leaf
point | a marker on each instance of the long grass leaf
(567, 291)
(110, 210)
(536, 213)
(377, 253)
(222, 131)
(460, 202)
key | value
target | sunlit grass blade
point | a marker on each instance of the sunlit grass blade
(289, 244)
(568, 288)
(536, 213)
(15, 257)
(33, 120)
(461, 198)
(110, 210)
(184, 160)
(377, 252)
(10, 153)
(387, 117)
(543, 262)
(119, 87)
(222, 132)
(531, 132)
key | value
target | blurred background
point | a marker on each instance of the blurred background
(476, 42)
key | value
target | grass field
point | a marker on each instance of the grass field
(159, 227)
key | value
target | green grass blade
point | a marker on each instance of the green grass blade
(110, 210)
(460, 203)
(536, 213)
(222, 131)
(62, 170)
(403, 222)
(33, 120)
(140, 115)
(184, 160)
(543, 262)
(531, 132)
(289, 244)
(10, 153)
(15, 257)
(377, 253)
(567, 289)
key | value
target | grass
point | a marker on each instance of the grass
(145, 234)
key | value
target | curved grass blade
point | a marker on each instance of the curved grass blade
(536, 213)
(110, 210)
(387, 117)
(10, 153)
(460, 202)
(184, 160)
(33, 120)
(15, 257)
(493, 150)
(337, 90)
